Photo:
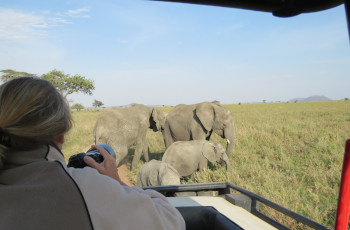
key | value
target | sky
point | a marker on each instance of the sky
(162, 53)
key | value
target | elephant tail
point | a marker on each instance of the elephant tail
(97, 134)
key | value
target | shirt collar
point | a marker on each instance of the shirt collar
(16, 158)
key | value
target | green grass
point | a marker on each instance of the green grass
(80, 137)
(289, 153)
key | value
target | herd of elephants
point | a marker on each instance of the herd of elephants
(186, 132)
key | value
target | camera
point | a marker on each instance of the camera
(77, 160)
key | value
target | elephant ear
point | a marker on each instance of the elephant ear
(166, 171)
(209, 152)
(155, 117)
(219, 151)
(205, 113)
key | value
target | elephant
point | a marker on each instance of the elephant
(155, 172)
(122, 128)
(189, 156)
(197, 122)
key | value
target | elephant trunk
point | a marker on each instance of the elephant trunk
(229, 147)
(229, 134)
(227, 162)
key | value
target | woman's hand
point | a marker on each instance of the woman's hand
(107, 167)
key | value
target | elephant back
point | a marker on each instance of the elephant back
(148, 174)
(181, 112)
(156, 172)
(184, 156)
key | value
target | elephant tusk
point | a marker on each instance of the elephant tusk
(228, 141)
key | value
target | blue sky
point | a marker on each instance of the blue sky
(161, 53)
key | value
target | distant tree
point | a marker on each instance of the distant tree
(9, 74)
(64, 83)
(346, 99)
(216, 102)
(78, 106)
(97, 104)
(67, 84)
(239, 103)
(264, 101)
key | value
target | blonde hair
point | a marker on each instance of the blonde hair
(32, 112)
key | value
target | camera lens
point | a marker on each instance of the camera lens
(106, 147)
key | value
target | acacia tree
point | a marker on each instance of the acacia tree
(97, 103)
(77, 106)
(67, 84)
(9, 74)
(64, 83)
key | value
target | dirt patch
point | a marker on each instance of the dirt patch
(123, 172)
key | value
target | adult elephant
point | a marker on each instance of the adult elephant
(122, 128)
(189, 156)
(197, 122)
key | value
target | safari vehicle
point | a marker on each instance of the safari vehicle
(227, 206)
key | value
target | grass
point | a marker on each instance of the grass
(292, 154)
(80, 137)
(289, 153)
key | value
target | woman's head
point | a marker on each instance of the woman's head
(32, 112)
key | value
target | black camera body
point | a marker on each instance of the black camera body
(77, 160)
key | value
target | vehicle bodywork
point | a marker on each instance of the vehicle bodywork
(226, 198)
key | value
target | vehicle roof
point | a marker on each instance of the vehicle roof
(279, 8)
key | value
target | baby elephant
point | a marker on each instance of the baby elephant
(156, 173)
(188, 156)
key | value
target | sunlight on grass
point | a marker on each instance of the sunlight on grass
(289, 153)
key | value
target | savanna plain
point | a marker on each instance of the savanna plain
(289, 153)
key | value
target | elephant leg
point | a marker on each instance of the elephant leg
(120, 153)
(168, 138)
(120, 148)
(145, 149)
(168, 142)
(141, 144)
(137, 156)
(203, 164)
(145, 152)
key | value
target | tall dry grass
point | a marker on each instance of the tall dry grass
(80, 137)
(290, 153)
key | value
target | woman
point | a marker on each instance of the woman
(38, 191)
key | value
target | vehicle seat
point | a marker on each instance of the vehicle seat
(206, 218)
